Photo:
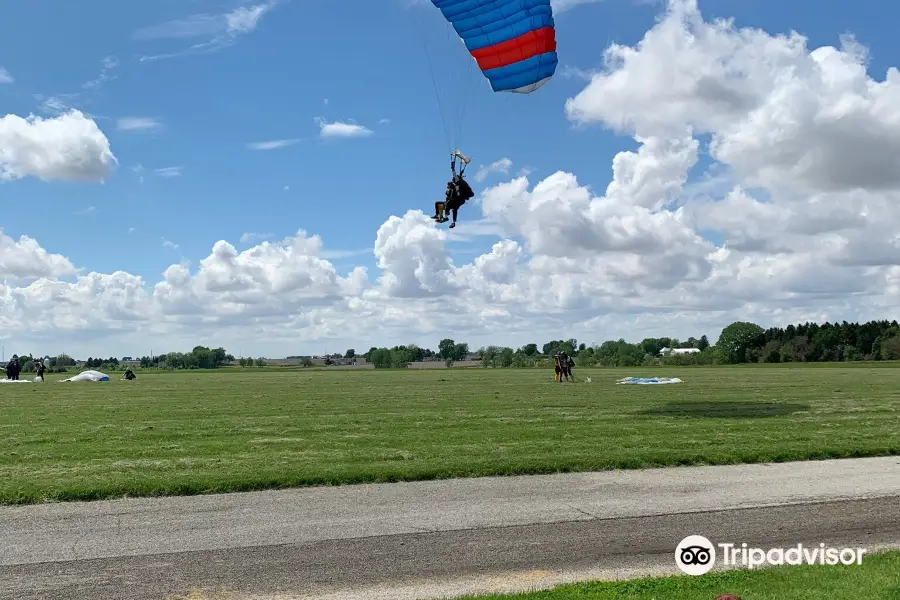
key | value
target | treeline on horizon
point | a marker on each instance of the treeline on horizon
(200, 357)
(741, 342)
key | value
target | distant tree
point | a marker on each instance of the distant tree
(703, 343)
(568, 346)
(890, 348)
(771, 353)
(351, 353)
(260, 362)
(416, 354)
(380, 358)
(738, 340)
(447, 349)
(64, 360)
(488, 355)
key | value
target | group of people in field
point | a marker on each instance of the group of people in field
(14, 369)
(563, 367)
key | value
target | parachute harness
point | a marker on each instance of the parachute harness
(462, 158)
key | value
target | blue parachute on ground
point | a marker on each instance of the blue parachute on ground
(513, 41)
(648, 380)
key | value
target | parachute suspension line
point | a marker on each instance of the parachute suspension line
(440, 102)
(471, 74)
(437, 94)
(460, 98)
(466, 72)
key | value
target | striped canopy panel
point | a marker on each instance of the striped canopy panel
(513, 41)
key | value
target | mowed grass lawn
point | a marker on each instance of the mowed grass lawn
(875, 579)
(243, 429)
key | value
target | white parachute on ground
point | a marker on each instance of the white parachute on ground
(648, 380)
(14, 381)
(89, 376)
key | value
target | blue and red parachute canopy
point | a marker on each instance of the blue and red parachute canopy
(513, 41)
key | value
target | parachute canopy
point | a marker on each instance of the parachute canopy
(513, 41)
(89, 376)
(648, 380)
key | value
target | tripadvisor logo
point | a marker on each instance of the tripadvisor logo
(696, 555)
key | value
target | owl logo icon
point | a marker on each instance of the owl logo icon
(695, 555)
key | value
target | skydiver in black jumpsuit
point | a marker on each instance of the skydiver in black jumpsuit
(458, 191)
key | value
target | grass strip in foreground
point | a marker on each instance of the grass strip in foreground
(877, 578)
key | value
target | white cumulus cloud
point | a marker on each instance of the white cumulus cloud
(501, 166)
(70, 147)
(341, 129)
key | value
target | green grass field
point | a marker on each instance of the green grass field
(875, 579)
(243, 429)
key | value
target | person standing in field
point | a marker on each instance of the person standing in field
(13, 369)
(567, 365)
(40, 370)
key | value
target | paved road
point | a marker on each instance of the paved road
(415, 540)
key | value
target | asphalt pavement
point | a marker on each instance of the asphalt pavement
(438, 538)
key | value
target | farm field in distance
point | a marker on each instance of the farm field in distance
(243, 429)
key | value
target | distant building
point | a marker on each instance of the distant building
(678, 351)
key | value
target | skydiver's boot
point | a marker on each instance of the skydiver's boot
(438, 212)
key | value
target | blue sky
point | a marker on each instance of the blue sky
(351, 61)
(366, 58)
